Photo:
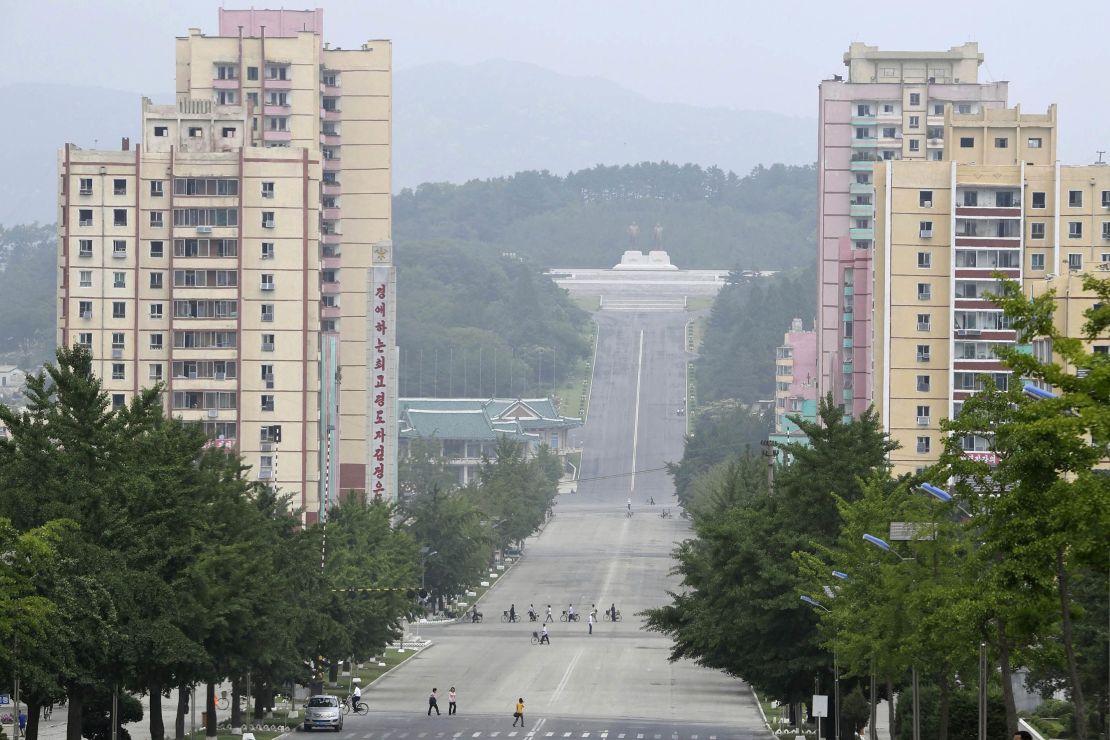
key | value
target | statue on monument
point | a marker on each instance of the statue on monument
(633, 233)
(658, 232)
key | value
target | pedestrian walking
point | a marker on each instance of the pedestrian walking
(548, 618)
(590, 621)
(543, 635)
(451, 701)
(519, 713)
(23, 721)
(433, 703)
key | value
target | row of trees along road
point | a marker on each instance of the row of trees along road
(1016, 562)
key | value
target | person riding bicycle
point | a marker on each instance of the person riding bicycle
(356, 697)
(474, 615)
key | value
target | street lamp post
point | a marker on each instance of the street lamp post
(424, 555)
(916, 697)
(836, 663)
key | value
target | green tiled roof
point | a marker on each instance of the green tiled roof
(481, 418)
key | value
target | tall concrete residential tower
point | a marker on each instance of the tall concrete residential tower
(1001, 204)
(890, 107)
(294, 97)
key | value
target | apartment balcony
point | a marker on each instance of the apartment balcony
(861, 209)
(934, 143)
(330, 188)
(867, 143)
(330, 288)
(861, 188)
(987, 212)
(275, 84)
(331, 238)
(862, 165)
(861, 234)
(891, 142)
(331, 139)
(218, 84)
(331, 214)
(276, 110)
(329, 312)
(1003, 242)
(331, 262)
(333, 164)
(277, 135)
(329, 115)
(330, 91)
(863, 120)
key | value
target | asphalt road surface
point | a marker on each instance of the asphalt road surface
(616, 683)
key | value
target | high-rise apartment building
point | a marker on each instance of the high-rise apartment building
(795, 381)
(1001, 204)
(890, 107)
(242, 255)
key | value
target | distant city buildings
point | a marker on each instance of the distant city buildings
(795, 382)
(241, 255)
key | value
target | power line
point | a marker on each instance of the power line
(622, 475)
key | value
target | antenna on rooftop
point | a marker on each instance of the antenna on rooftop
(1100, 152)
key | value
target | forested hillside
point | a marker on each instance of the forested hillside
(710, 218)
(28, 272)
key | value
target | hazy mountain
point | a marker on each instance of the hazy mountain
(452, 123)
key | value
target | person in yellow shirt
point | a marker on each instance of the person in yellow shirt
(519, 713)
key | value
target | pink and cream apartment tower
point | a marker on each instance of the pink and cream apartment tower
(242, 253)
(891, 106)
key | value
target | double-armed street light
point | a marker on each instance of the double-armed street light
(836, 662)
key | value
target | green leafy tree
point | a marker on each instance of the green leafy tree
(722, 431)
(448, 524)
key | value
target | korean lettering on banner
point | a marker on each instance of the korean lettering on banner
(379, 318)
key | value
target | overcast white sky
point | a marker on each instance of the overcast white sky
(766, 55)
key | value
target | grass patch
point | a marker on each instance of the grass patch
(392, 657)
(699, 302)
(573, 393)
(589, 303)
(575, 459)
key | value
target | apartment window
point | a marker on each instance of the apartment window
(938, 109)
(252, 73)
(1038, 200)
(964, 108)
(85, 185)
(156, 188)
(267, 342)
(267, 312)
(267, 402)
(156, 219)
(118, 401)
(117, 340)
(268, 375)
(924, 322)
(267, 250)
(157, 249)
(923, 414)
(119, 248)
(84, 247)
(1001, 142)
(155, 371)
(119, 217)
(84, 308)
(156, 280)
(196, 132)
(915, 121)
(1075, 199)
(923, 445)
(1036, 261)
(161, 131)
(923, 383)
(119, 310)
(85, 339)
(1106, 198)
(1075, 229)
(85, 280)
(1106, 229)
(277, 123)
(84, 217)
(1005, 199)
(119, 186)
(227, 97)
(267, 190)
(331, 79)
(967, 142)
(925, 198)
(267, 219)
(156, 310)
(156, 341)
(228, 132)
(889, 132)
(922, 353)
(267, 281)
(924, 260)
(117, 371)
(119, 279)
(1075, 262)
(915, 145)
(1036, 231)
(924, 291)
(915, 98)
(1034, 142)
(277, 72)
(926, 229)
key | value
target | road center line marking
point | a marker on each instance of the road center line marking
(566, 676)
(636, 416)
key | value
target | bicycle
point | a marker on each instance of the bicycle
(223, 702)
(609, 616)
(537, 640)
(360, 708)
(506, 617)
(472, 617)
(568, 617)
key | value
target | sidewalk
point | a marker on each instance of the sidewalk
(55, 727)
